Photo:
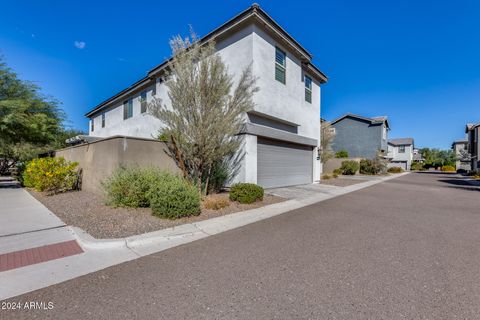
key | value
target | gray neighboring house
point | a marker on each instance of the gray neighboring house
(401, 152)
(281, 135)
(460, 147)
(362, 137)
(472, 131)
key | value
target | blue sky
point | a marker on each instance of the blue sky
(418, 62)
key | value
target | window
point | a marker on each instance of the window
(143, 102)
(280, 66)
(103, 120)
(401, 149)
(332, 131)
(154, 89)
(92, 125)
(308, 89)
(127, 109)
(384, 133)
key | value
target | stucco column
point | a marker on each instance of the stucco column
(250, 160)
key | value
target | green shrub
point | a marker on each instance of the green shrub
(417, 166)
(326, 177)
(246, 192)
(373, 166)
(335, 176)
(173, 197)
(448, 169)
(341, 154)
(395, 170)
(349, 167)
(128, 187)
(337, 171)
(52, 175)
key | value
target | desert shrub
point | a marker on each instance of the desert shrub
(173, 197)
(335, 176)
(246, 192)
(417, 166)
(373, 166)
(337, 171)
(395, 170)
(128, 187)
(52, 175)
(326, 177)
(349, 167)
(218, 177)
(341, 154)
(213, 202)
(448, 169)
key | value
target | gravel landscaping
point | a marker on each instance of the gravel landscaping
(340, 182)
(89, 212)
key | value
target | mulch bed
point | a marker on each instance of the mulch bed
(89, 212)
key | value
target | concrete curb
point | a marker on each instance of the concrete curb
(156, 241)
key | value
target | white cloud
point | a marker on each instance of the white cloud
(79, 44)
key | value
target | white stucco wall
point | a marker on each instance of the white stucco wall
(397, 156)
(250, 46)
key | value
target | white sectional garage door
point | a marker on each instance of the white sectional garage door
(282, 164)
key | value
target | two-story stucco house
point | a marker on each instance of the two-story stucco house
(472, 131)
(460, 147)
(281, 135)
(361, 137)
(401, 152)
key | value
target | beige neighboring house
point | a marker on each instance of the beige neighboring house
(460, 147)
(400, 153)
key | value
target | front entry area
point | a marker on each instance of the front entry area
(281, 164)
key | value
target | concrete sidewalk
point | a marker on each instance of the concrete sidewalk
(22, 213)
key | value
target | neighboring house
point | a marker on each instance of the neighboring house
(362, 137)
(460, 147)
(417, 156)
(473, 145)
(281, 136)
(400, 153)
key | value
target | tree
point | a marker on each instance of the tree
(207, 111)
(29, 121)
(435, 158)
(326, 137)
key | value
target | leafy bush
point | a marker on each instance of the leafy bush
(448, 168)
(337, 171)
(335, 176)
(246, 192)
(326, 177)
(218, 177)
(52, 175)
(373, 166)
(417, 166)
(215, 202)
(173, 197)
(349, 167)
(128, 187)
(341, 154)
(395, 170)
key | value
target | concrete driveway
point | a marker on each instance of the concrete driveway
(407, 248)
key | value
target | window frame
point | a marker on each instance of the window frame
(92, 124)
(143, 102)
(308, 90)
(103, 120)
(401, 149)
(280, 66)
(127, 109)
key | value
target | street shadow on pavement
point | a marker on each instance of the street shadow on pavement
(460, 183)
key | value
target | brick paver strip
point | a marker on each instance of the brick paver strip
(22, 258)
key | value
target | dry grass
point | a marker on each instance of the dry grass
(215, 202)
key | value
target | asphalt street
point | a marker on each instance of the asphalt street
(408, 248)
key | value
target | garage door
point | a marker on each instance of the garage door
(400, 164)
(282, 164)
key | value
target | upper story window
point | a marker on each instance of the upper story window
(143, 102)
(401, 149)
(127, 109)
(92, 124)
(103, 120)
(154, 89)
(280, 65)
(308, 89)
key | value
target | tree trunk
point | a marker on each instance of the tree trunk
(208, 179)
(179, 156)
